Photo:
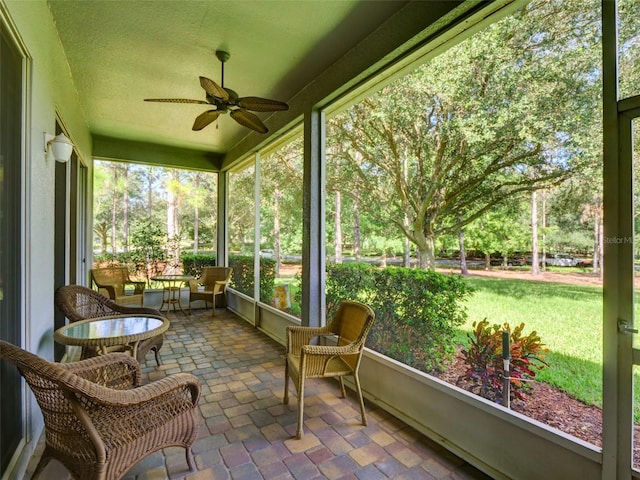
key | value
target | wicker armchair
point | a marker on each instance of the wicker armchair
(79, 303)
(111, 281)
(99, 421)
(351, 325)
(215, 281)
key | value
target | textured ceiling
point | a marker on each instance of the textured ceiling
(121, 52)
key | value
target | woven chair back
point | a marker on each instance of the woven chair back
(78, 303)
(352, 323)
(113, 276)
(46, 381)
(211, 275)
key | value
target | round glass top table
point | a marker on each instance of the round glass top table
(118, 330)
(171, 290)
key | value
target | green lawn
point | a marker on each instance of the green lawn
(568, 319)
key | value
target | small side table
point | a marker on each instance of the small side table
(171, 290)
(112, 331)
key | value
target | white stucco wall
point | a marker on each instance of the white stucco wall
(49, 94)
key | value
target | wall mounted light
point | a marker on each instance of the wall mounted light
(61, 147)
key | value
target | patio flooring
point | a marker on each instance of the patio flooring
(246, 431)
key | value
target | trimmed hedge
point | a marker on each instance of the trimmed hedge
(192, 263)
(243, 276)
(417, 311)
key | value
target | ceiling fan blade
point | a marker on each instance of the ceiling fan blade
(205, 119)
(176, 100)
(213, 89)
(258, 104)
(249, 120)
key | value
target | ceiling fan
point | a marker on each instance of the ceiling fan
(226, 100)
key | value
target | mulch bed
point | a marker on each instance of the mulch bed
(547, 405)
(554, 408)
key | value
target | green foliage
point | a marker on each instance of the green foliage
(569, 241)
(347, 281)
(149, 252)
(511, 109)
(416, 310)
(416, 314)
(146, 256)
(109, 259)
(192, 263)
(485, 370)
(267, 279)
(242, 278)
(147, 200)
(503, 229)
(296, 295)
(243, 273)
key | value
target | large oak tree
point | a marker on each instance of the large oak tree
(506, 111)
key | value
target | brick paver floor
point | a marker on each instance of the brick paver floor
(246, 431)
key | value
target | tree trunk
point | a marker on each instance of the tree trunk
(535, 264)
(600, 249)
(405, 219)
(149, 191)
(543, 263)
(463, 254)
(426, 256)
(196, 215)
(337, 241)
(596, 231)
(407, 248)
(356, 230)
(173, 254)
(196, 229)
(114, 215)
(277, 196)
(102, 231)
(125, 208)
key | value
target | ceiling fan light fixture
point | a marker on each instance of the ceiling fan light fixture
(223, 55)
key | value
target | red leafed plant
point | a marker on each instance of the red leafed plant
(485, 368)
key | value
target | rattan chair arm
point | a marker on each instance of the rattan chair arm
(116, 370)
(219, 285)
(331, 350)
(297, 336)
(111, 289)
(143, 409)
(315, 359)
(176, 384)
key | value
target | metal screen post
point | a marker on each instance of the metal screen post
(506, 383)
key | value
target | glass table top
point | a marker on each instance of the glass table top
(113, 327)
